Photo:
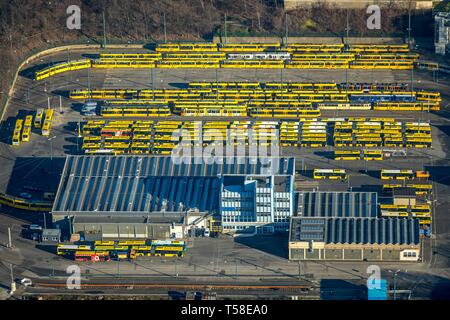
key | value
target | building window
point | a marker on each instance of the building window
(409, 254)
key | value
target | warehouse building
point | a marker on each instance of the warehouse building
(345, 226)
(152, 196)
(345, 238)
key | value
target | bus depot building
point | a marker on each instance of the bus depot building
(344, 226)
(123, 197)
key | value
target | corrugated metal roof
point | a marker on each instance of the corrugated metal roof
(105, 184)
(345, 230)
(338, 204)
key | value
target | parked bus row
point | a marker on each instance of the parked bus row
(161, 137)
(23, 127)
(211, 55)
(420, 211)
(380, 133)
(106, 250)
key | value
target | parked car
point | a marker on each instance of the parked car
(35, 227)
(26, 195)
(26, 282)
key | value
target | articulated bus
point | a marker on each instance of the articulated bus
(104, 242)
(130, 56)
(332, 174)
(94, 256)
(421, 211)
(347, 155)
(131, 243)
(70, 249)
(393, 210)
(372, 155)
(284, 113)
(421, 189)
(397, 174)
(168, 248)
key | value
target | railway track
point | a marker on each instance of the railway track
(168, 286)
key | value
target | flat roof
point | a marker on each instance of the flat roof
(143, 184)
(345, 230)
(337, 204)
(172, 217)
(51, 232)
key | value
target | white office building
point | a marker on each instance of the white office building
(256, 203)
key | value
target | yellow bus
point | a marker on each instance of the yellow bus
(332, 174)
(16, 139)
(372, 155)
(347, 155)
(66, 249)
(393, 210)
(47, 122)
(38, 118)
(104, 243)
(397, 174)
(131, 243)
(28, 121)
(26, 134)
(421, 189)
(421, 210)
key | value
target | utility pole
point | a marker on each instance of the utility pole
(9, 238)
(13, 283)
(89, 84)
(60, 105)
(217, 84)
(104, 31)
(347, 29)
(51, 147)
(225, 22)
(165, 27)
(45, 220)
(286, 28)
(48, 102)
(153, 83)
(395, 286)
(409, 25)
(281, 82)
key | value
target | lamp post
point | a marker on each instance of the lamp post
(395, 282)
(51, 147)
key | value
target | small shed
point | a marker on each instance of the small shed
(51, 236)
